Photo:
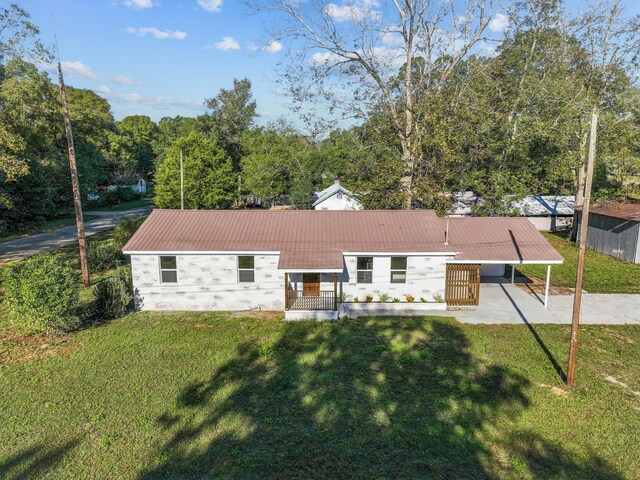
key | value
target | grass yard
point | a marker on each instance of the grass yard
(140, 202)
(216, 395)
(41, 227)
(602, 273)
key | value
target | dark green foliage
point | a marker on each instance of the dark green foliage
(125, 229)
(42, 294)
(209, 180)
(113, 295)
(103, 255)
(119, 195)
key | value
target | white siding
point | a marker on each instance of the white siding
(425, 278)
(335, 203)
(207, 282)
(210, 282)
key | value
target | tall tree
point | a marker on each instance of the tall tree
(349, 56)
(232, 112)
(209, 180)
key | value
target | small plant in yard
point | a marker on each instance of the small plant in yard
(355, 300)
(383, 297)
(342, 297)
(437, 298)
(42, 294)
(409, 298)
(113, 295)
(103, 256)
(369, 298)
(396, 300)
(423, 300)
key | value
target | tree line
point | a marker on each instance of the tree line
(504, 122)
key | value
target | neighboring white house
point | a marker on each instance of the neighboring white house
(139, 187)
(546, 212)
(336, 197)
(322, 264)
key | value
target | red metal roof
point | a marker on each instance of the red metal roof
(625, 210)
(507, 239)
(309, 239)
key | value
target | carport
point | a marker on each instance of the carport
(488, 245)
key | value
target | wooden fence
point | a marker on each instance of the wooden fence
(463, 285)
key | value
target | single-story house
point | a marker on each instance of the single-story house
(336, 197)
(546, 212)
(614, 229)
(309, 262)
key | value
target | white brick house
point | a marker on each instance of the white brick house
(309, 262)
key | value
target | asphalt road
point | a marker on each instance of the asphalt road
(54, 239)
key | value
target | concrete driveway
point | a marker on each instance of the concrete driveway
(43, 242)
(506, 303)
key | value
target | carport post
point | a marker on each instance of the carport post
(546, 287)
(513, 273)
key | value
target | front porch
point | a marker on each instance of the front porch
(311, 297)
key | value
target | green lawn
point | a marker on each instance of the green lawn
(602, 273)
(214, 395)
(140, 202)
(41, 227)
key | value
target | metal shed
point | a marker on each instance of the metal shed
(614, 229)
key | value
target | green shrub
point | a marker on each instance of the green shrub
(383, 297)
(103, 256)
(125, 229)
(42, 294)
(113, 297)
(119, 195)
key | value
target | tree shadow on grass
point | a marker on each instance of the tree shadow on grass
(34, 461)
(377, 398)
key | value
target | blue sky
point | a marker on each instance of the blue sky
(116, 47)
(164, 57)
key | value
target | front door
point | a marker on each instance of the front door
(311, 284)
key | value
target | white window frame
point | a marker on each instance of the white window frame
(358, 270)
(246, 269)
(398, 270)
(168, 269)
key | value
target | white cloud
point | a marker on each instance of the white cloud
(273, 46)
(353, 10)
(499, 23)
(156, 102)
(227, 43)
(392, 38)
(138, 4)
(102, 89)
(210, 5)
(157, 33)
(123, 80)
(325, 58)
(71, 69)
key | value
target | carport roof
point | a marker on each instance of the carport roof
(317, 240)
(499, 239)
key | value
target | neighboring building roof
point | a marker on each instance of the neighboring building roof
(626, 210)
(529, 206)
(545, 205)
(317, 239)
(329, 192)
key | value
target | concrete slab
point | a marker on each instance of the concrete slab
(506, 303)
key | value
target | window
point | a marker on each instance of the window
(168, 270)
(246, 269)
(398, 269)
(365, 270)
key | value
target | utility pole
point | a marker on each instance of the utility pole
(75, 184)
(181, 183)
(584, 228)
